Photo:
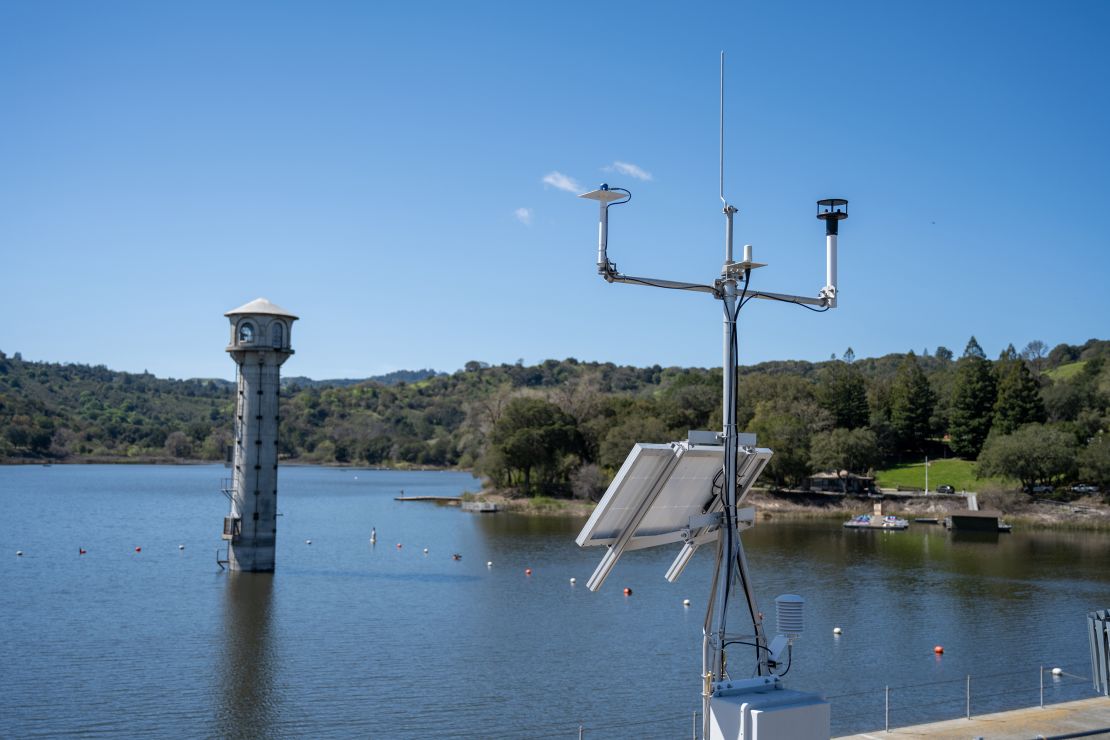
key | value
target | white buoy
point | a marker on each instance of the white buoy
(686, 602)
(308, 542)
(425, 551)
(836, 630)
(19, 553)
(573, 581)
(489, 563)
(181, 547)
(1057, 671)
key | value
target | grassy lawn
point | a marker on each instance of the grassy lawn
(1066, 372)
(960, 474)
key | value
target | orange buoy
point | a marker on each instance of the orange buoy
(627, 591)
(939, 650)
(399, 545)
(138, 549)
(527, 571)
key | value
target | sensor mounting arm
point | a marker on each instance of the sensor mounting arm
(606, 196)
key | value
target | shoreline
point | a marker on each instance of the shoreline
(1082, 514)
(91, 460)
(1087, 513)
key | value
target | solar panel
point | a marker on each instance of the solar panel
(665, 493)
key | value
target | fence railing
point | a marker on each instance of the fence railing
(885, 707)
(890, 707)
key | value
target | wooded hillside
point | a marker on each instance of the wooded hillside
(563, 427)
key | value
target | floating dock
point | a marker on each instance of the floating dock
(449, 500)
(481, 507)
(1087, 716)
(976, 521)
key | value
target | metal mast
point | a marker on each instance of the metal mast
(732, 288)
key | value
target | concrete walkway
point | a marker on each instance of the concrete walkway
(1019, 724)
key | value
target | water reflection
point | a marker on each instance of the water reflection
(249, 701)
(987, 538)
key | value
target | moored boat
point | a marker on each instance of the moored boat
(869, 521)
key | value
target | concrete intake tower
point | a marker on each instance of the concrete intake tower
(260, 343)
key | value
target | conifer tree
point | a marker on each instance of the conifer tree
(911, 404)
(842, 392)
(1019, 397)
(971, 411)
(973, 349)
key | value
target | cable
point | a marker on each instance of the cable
(742, 301)
(652, 284)
(610, 266)
(745, 642)
(789, 659)
(734, 566)
(796, 303)
(620, 202)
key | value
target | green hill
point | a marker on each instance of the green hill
(581, 417)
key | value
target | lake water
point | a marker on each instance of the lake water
(346, 639)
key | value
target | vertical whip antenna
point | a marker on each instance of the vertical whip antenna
(723, 201)
(728, 210)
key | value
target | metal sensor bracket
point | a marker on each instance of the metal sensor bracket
(734, 269)
(604, 195)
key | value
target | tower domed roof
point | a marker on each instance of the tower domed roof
(260, 306)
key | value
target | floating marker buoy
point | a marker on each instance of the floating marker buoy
(308, 542)
(939, 650)
(489, 563)
(686, 602)
(627, 591)
(19, 553)
(573, 581)
(399, 546)
(81, 551)
(1057, 671)
(138, 549)
(527, 571)
(181, 547)
(836, 630)
(425, 551)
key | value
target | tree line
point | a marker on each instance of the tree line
(564, 427)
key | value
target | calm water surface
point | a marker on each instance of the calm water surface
(348, 639)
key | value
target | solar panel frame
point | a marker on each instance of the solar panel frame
(656, 491)
(750, 465)
(635, 481)
(659, 496)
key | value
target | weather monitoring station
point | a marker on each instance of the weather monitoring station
(690, 492)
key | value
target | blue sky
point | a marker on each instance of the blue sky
(384, 171)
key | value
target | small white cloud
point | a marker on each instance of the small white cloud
(524, 215)
(631, 170)
(562, 182)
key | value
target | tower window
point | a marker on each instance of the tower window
(246, 332)
(277, 335)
